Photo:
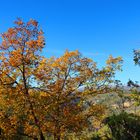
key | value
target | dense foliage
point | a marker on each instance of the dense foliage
(124, 126)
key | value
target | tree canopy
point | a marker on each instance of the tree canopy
(42, 96)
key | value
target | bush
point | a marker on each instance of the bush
(124, 126)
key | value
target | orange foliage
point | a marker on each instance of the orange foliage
(41, 95)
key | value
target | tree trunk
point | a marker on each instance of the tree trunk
(30, 103)
(42, 136)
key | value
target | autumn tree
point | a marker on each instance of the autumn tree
(19, 57)
(67, 83)
(40, 96)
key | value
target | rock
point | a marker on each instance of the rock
(127, 104)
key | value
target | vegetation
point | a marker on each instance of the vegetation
(137, 57)
(59, 98)
(124, 126)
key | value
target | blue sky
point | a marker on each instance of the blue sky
(97, 28)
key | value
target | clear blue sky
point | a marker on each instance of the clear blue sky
(97, 28)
